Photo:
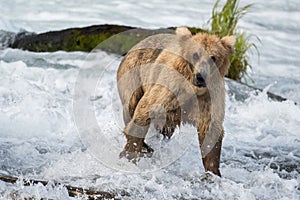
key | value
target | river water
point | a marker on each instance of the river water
(39, 137)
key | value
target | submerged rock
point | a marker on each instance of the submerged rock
(86, 38)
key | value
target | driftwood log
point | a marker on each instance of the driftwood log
(72, 191)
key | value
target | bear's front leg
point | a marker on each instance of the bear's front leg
(135, 132)
(210, 144)
(173, 119)
(211, 160)
(135, 146)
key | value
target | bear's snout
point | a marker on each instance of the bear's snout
(199, 80)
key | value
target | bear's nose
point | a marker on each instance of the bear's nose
(200, 80)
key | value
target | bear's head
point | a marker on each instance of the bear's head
(217, 51)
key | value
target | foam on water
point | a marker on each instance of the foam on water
(38, 136)
(39, 140)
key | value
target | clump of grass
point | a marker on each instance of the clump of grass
(224, 22)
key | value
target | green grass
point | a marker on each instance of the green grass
(224, 22)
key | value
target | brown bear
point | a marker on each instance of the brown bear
(170, 79)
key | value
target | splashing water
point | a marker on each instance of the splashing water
(38, 137)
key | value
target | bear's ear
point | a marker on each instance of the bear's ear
(183, 31)
(228, 42)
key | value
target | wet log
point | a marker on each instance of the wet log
(72, 191)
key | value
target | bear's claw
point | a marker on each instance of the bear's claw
(135, 156)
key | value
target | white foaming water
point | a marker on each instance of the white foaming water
(38, 137)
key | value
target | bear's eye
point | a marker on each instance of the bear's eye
(195, 56)
(213, 58)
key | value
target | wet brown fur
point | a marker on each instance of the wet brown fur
(145, 99)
